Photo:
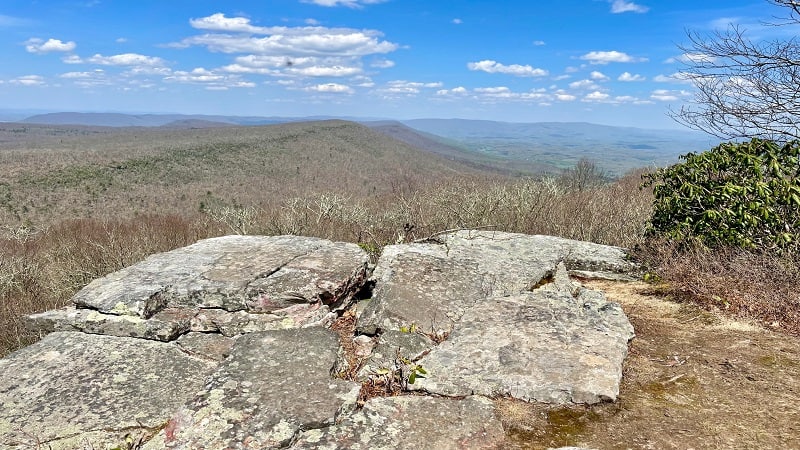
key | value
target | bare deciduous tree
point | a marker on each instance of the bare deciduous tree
(745, 88)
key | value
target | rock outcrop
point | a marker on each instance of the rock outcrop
(227, 344)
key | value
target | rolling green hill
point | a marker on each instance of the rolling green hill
(64, 171)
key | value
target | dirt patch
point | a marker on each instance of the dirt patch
(692, 379)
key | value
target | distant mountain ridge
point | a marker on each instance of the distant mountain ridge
(158, 120)
(522, 148)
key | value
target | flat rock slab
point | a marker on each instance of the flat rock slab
(412, 422)
(272, 385)
(94, 322)
(72, 388)
(432, 285)
(253, 273)
(269, 282)
(546, 346)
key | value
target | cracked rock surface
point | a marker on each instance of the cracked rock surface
(226, 344)
(547, 345)
(432, 285)
(412, 422)
(71, 388)
(272, 385)
(230, 284)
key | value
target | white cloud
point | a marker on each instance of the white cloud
(334, 88)
(622, 6)
(457, 21)
(87, 79)
(415, 84)
(599, 76)
(331, 71)
(210, 79)
(304, 41)
(539, 43)
(302, 67)
(596, 96)
(599, 57)
(492, 90)
(72, 59)
(565, 97)
(503, 93)
(459, 91)
(490, 66)
(218, 22)
(627, 76)
(677, 77)
(28, 80)
(363, 81)
(198, 75)
(696, 58)
(408, 88)
(312, 22)
(584, 84)
(77, 75)
(347, 3)
(562, 77)
(664, 95)
(146, 70)
(124, 59)
(36, 45)
(297, 52)
(382, 64)
(121, 40)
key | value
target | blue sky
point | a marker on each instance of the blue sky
(603, 61)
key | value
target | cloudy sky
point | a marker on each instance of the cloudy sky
(603, 61)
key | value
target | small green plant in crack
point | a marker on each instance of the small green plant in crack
(410, 370)
(413, 328)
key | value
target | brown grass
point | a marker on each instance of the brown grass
(758, 286)
(692, 379)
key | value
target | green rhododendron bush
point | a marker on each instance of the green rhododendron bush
(741, 194)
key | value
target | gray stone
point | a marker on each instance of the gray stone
(391, 346)
(255, 273)
(95, 322)
(273, 384)
(211, 346)
(545, 346)
(432, 285)
(70, 389)
(231, 285)
(411, 422)
(240, 322)
(419, 285)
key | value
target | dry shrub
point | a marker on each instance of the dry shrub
(612, 213)
(764, 287)
(41, 271)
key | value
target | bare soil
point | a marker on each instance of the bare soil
(692, 379)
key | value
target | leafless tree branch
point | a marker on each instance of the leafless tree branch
(744, 88)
